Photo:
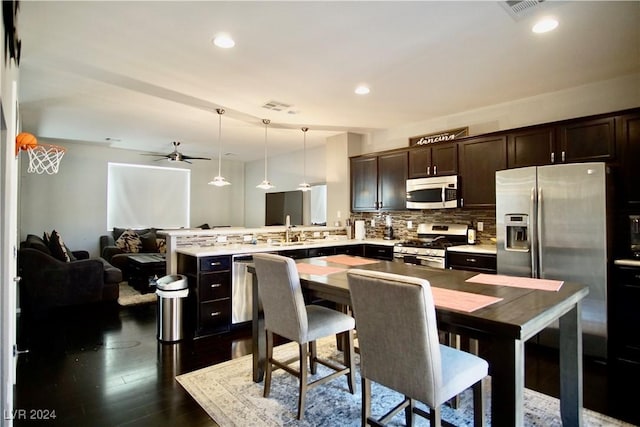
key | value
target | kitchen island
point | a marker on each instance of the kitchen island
(220, 295)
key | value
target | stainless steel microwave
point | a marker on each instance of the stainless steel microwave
(436, 192)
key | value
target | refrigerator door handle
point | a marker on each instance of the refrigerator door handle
(539, 231)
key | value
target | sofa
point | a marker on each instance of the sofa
(122, 242)
(60, 277)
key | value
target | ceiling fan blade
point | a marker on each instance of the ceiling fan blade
(195, 158)
(157, 155)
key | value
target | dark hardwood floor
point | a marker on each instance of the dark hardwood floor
(103, 366)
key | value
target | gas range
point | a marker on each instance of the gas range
(430, 245)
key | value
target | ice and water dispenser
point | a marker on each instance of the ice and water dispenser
(517, 232)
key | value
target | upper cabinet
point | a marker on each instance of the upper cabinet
(530, 147)
(586, 141)
(591, 140)
(378, 183)
(480, 158)
(628, 190)
(433, 160)
(378, 178)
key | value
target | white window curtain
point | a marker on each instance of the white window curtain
(141, 196)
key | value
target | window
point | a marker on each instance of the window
(147, 196)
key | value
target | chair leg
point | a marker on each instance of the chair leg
(303, 379)
(313, 357)
(349, 361)
(478, 404)
(435, 419)
(408, 412)
(366, 401)
(268, 367)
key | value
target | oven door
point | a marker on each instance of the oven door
(431, 261)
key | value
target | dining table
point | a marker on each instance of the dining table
(501, 312)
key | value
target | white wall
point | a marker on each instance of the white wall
(602, 97)
(74, 201)
(285, 172)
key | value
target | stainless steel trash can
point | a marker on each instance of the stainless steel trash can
(172, 290)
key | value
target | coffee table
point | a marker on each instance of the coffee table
(143, 268)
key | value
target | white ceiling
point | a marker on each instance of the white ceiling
(146, 73)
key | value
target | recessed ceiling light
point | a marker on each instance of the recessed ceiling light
(362, 90)
(545, 25)
(224, 41)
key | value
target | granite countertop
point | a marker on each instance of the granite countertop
(474, 249)
(627, 262)
(233, 249)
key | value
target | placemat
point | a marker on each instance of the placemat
(517, 282)
(461, 301)
(318, 270)
(350, 260)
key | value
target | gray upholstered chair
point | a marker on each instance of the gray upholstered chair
(399, 348)
(286, 315)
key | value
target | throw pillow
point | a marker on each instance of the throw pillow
(58, 248)
(129, 241)
(162, 246)
(149, 244)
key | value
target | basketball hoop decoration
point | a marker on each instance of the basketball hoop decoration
(42, 157)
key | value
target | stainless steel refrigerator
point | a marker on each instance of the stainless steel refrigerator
(551, 223)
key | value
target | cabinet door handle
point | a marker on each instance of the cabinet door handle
(435, 170)
(215, 313)
(462, 202)
(470, 259)
(563, 157)
(553, 157)
(428, 170)
(216, 285)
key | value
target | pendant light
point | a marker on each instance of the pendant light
(265, 184)
(219, 181)
(304, 186)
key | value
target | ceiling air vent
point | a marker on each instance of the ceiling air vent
(276, 106)
(520, 8)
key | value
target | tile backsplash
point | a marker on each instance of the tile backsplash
(399, 221)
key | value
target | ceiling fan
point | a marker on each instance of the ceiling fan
(176, 156)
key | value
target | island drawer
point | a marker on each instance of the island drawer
(214, 286)
(215, 316)
(215, 263)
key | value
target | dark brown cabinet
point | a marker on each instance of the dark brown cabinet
(625, 316)
(629, 159)
(379, 252)
(378, 183)
(208, 308)
(530, 147)
(356, 250)
(586, 141)
(483, 263)
(364, 184)
(433, 160)
(480, 158)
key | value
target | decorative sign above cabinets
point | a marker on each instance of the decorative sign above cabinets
(432, 138)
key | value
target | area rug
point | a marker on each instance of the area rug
(130, 296)
(228, 394)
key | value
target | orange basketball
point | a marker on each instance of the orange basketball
(24, 140)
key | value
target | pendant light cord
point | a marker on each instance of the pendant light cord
(220, 112)
(266, 123)
(304, 155)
